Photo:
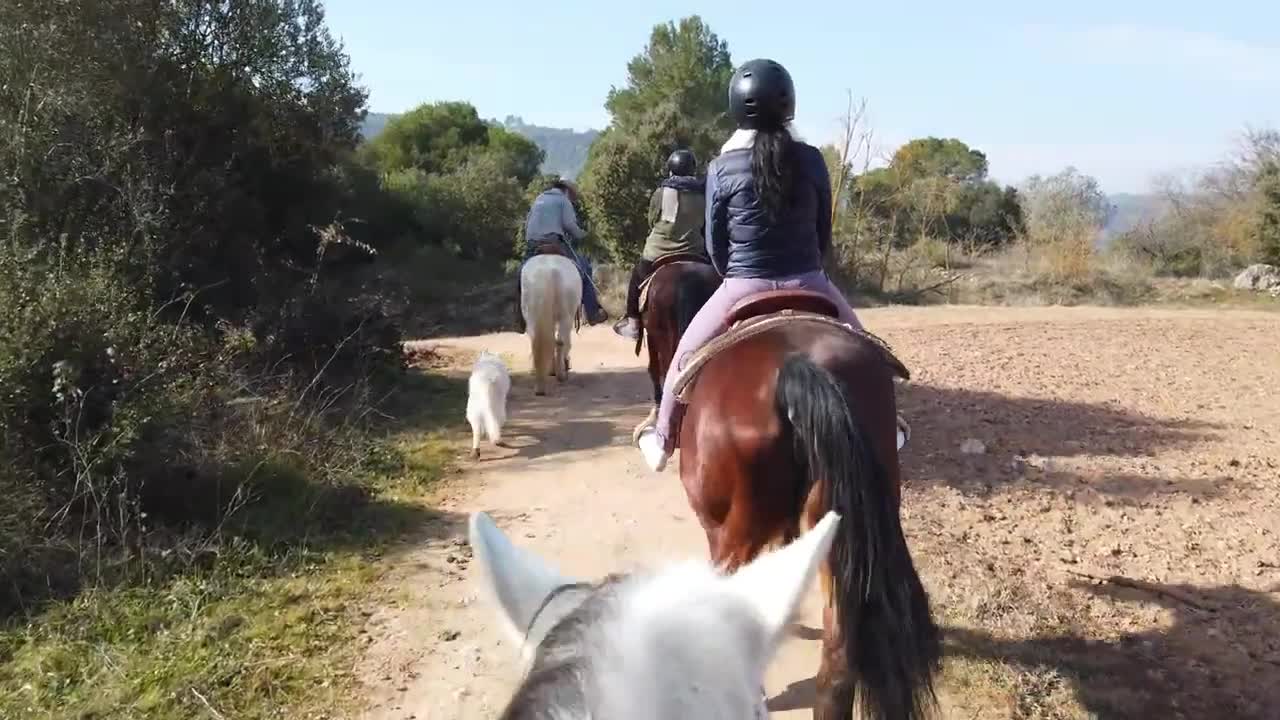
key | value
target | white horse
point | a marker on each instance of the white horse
(551, 293)
(683, 642)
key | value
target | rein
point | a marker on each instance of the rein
(547, 601)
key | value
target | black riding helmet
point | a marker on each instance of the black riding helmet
(682, 162)
(761, 95)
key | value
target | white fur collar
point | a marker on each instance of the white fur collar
(742, 139)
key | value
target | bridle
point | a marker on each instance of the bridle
(547, 601)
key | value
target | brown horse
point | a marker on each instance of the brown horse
(678, 287)
(782, 426)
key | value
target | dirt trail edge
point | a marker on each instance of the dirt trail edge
(1107, 448)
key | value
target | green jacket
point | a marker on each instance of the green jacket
(677, 211)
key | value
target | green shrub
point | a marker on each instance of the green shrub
(119, 428)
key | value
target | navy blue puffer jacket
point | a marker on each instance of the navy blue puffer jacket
(741, 239)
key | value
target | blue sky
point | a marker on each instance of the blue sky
(1122, 90)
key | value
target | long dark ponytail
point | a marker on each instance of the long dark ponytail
(772, 168)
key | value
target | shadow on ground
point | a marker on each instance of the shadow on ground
(1024, 436)
(1219, 662)
(596, 408)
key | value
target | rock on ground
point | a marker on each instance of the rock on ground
(1259, 277)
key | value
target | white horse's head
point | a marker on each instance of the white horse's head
(682, 642)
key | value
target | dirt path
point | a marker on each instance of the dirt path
(1136, 443)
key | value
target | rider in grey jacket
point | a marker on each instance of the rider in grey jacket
(552, 218)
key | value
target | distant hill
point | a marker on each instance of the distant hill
(566, 149)
(1131, 210)
(373, 124)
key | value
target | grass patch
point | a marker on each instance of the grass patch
(257, 637)
(262, 621)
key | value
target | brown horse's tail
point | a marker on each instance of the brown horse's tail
(890, 640)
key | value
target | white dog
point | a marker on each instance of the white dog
(487, 399)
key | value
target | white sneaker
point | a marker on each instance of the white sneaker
(655, 456)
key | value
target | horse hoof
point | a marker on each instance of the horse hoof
(475, 453)
(540, 393)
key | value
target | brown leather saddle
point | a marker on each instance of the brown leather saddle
(776, 301)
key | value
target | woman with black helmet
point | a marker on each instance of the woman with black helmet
(768, 222)
(676, 212)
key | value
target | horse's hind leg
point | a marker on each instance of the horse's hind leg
(834, 683)
(540, 361)
(564, 338)
(561, 368)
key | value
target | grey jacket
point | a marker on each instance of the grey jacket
(552, 214)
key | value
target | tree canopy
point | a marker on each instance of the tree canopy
(935, 157)
(939, 189)
(442, 137)
(1056, 206)
(674, 97)
(685, 67)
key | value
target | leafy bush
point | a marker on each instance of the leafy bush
(456, 180)
(480, 208)
(619, 178)
(181, 306)
(1064, 215)
(89, 378)
(1220, 221)
(936, 188)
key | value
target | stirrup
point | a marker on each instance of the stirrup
(651, 420)
(622, 328)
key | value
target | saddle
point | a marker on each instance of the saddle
(663, 261)
(781, 301)
(550, 246)
(678, 257)
(764, 311)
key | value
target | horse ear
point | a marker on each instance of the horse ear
(775, 583)
(516, 579)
